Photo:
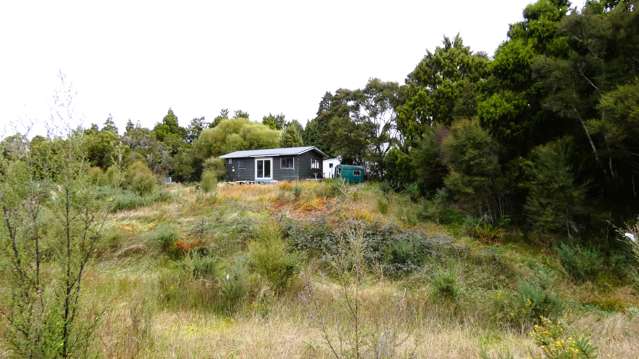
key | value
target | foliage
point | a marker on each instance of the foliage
(554, 200)
(526, 305)
(56, 209)
(165, 235)
(582, 263)
(445, 286)
(270, 257)
(209, 181)
(550, 336)
(471, 155)
(291, 137)
(233, 135)
(140, 179)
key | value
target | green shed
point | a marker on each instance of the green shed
(350, 173)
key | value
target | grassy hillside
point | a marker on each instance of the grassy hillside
(317, 269)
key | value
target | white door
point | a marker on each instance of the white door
(263, 169)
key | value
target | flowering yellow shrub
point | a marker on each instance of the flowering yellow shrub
(550, 336)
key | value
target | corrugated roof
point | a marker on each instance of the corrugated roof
(286, 151)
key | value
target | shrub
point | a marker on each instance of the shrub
(580, 262)
(526, 305)
(445, 286)
(113, 176)
(382, 205)
(297, 192)
(233, 287)
(486, 232)
(271, 259)
(215, 166)
(333, 187)
(96, 176)
(165, 235)
(472, 158)
(550, 336)
(126, 200)
(208, 182)
(140, 178)
(203, 267)
(554, 198)
(405, 254)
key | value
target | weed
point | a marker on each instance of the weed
(526, 305)
(166, 236)
(445, 286)
(550, 336)
(580, 262)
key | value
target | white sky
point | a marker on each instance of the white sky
(135, 59)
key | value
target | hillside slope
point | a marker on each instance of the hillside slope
(317, 269)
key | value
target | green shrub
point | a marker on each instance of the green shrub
(550, 336)
(140, 178)
(554, 198)
(580, 262)
(486, 232)
(333, 187)
(113, 176)
(382, 205)
(233, 288)
(208, 182)
(165, 235)
(126, 200)
(204, 267)
(526, 305)
(445, 286)
(271, 259)
(297, 192)
(405, 254)
(96, 176)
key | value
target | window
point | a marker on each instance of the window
(315, 163)
(330, 165)
(357, 173)
(229, 161)
(287, 163)
(263, 169)
(240, 164)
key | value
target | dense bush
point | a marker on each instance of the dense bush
(165, 235)
(272, 260)
(125, 200)
(444, 286)
(140, 178)
(522, 308)
(209, 181)
(395, 250)
(580, 262)
(554, 199)
(551, 337)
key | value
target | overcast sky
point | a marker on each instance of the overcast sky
(135, 59)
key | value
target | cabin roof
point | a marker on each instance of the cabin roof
(272, 152)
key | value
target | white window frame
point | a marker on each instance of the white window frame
(286, 158)
(271, 167)
(315, 164)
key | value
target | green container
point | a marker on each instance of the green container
(350, 174)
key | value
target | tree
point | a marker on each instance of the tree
(241, 114)
(235, 134)
(109, 125)
(169, 130)
(443, 87)
(276, 122)
(224, 115)
(196, 127)
(471, 156)
(44, 313)
(291, 137)
(554, 199)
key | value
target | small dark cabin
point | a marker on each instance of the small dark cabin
(275, 164)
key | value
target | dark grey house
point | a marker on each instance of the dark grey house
(274, 164)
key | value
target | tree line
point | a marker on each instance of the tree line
(543, 134)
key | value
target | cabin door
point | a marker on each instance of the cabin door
(263, 169)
